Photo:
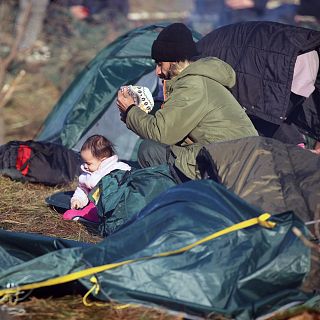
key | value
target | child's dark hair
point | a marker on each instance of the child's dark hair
(99, 146)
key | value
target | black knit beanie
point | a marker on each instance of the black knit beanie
(174, 43)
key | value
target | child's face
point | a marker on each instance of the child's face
(90, 162)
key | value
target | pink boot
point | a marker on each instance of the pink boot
(88, 213)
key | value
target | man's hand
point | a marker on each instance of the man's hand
(124, 100)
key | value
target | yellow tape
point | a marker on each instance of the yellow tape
(261, 220)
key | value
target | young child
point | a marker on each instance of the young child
(99, 159)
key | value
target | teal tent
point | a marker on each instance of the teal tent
(88, 106)
(197, 248)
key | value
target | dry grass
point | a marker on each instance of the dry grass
(71, 308)
(23, 209)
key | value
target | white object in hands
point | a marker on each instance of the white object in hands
(142, 97)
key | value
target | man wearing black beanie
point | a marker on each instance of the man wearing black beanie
(174, 43)
(198, 107)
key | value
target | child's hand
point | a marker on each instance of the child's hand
(75, 204)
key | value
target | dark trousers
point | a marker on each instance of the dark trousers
(152, 153)
(287, 131)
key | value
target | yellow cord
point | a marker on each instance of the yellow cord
(15, 291)
(96, 288)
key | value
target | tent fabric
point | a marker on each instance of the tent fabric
(239, 274)
(121, 194)
(88, 105)
(94, 89)
(269, 174)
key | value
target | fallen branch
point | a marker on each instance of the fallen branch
(8, 89)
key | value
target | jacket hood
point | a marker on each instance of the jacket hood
(212, 68)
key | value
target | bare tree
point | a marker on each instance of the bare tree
(6, 88)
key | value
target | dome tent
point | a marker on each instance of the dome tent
(88, 106)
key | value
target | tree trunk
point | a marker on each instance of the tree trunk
(5, 93)
(2, 128)
(34, 25)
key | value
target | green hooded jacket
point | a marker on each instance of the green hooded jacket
(198, 109)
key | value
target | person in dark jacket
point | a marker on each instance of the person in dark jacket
(264, 56)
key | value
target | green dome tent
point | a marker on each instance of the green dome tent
(89, 105)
